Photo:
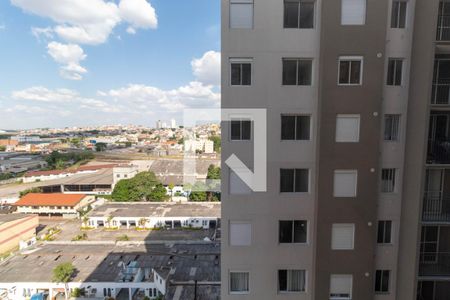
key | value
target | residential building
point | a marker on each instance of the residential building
(356, 93)
(17, 231)
(65, 205)
(156, 215)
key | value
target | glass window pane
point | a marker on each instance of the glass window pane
(282, 280)
(235, 74)
(301, 180)
(235, 130)
(246, 74)
(378, 281)
(398, 71)
(391, 72)
(287, 180)
(387, 231)
(246, 129)
(285, 234)
(291, 14)
(304, 72)
(402, 16)
(344, 72)
(385, 281)
(306, 14)
(289, 72)
(394, 14)
(300, 231)
(287, 127)
(380, 234)
(355, 72)
(303, 129)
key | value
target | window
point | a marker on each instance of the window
(240, 130)
(298, 14)
(353, 12)
(291, 280)
(398, 17)
(347, 128)
(241, 72)
(394, 76)
(294, 180)
(388, 180)
(391, 127)
(293, 232)
(237, 185)
(241, 14)
(341, 287)
(240, 233)
(345, 183)
(350, 70)
(297, 71)
(239, 282)
(295, 127)
(429, 244)
(384, 232)
(382, 281)
(342, 236)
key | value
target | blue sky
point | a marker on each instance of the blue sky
(88, 62)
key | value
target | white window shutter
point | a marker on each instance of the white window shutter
(345, 183)
(341, 285)
(347, 128)
(353, 12)
(342, 236)
(240, 233)
(241, 14)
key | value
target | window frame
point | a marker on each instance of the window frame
(299, 14)
(241, 120)
(396, 61)
(294, 181)
(306, 242)
(383, 237)
(341, 171)
(393, 178)
(348, 116)
(353, 24)
(351, 287)
(305, 284)
(399, 119)
(351, 59)
(242, 2)
(240, 222)
(295, 127)
(241, 62)
(397, 17)
(229, 282)
(343, 225)
(379, 289)
(297, 60)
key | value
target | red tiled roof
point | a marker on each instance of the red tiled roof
(39, 199)
(96, 167)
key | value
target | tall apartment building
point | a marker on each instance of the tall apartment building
(357, 94)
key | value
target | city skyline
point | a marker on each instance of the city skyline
(106, 62)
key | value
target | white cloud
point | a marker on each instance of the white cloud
(42, 94)
(207, 68)
(139, 13)
(91, 21)
(131, 30)
(69, 56)
(38, 32)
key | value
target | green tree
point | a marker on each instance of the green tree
(100, 147)
(63, 273)
(213, 172)
(171, 187)
(158, 194)
(60, 164)
(30, 190)
(137, 188)
(198, 192)
(217, 142)
(2, 148)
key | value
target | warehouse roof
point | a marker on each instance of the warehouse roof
(40, 199)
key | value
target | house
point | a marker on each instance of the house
(156, 215)
(65, 205)
(17, 230)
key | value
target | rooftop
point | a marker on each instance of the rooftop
(39, 199)
(103, 263)
(158, 209)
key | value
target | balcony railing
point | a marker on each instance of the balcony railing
(434, 264)
(440, 94)
(438, 152)
(443, 28)
(436, 207)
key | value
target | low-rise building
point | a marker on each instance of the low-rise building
(128, 271)
(156, 215)
(124, 172)
(17, 230)
(65, 205)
